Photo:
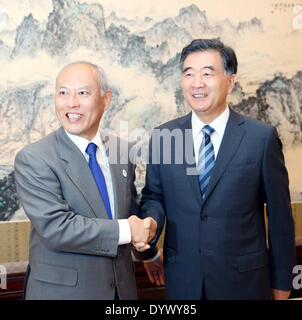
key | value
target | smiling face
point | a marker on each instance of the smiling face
(205, 86)
(79, 103)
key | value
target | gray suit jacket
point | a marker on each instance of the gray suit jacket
(74, 252)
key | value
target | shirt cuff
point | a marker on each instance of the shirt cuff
(124, 231)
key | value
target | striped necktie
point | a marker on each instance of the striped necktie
(206, 160)
(98, 176)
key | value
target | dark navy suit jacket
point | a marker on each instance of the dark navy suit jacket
(218, 245)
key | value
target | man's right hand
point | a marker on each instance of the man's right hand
(142, 231)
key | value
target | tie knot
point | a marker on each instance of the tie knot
(91, 149)
(208, 130)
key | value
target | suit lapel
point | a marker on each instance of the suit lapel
(120, 187)
(79, 172)
(118, 163)
(189, 158)
(229, 145)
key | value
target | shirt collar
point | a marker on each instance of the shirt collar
(218, 124)
(82, 143)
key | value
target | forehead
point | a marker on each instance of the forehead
(78, 74)
(201, 59)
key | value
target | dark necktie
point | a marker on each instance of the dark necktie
(206, 159)
(98, 176)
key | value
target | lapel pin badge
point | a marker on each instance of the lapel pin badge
(124, 173)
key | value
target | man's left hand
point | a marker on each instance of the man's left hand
(280, 294)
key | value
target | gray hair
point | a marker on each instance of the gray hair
(103, 83)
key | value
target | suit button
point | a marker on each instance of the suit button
(204, 217)
(112, 285)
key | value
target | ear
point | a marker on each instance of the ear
(232, 80)
(107, 99)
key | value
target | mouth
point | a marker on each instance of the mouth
(73, 116)
(199, 96)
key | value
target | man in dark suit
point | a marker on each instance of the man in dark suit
(215, 239)
(78, 200)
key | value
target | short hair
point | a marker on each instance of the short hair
(103, 83)
(228, 56)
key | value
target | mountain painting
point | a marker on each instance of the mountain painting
(140, 54)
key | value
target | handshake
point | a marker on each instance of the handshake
(142, 232)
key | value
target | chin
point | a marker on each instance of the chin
(73, 131)
(200, 109)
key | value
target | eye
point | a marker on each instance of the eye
(62, 92)
(188, 75)
(207, 74)
(83, 93)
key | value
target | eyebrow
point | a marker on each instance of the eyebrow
(62, 87)
(205, 67)
(85, 87)
(81, 88)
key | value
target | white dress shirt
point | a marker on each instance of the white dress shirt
(102, 159)
(218, 125)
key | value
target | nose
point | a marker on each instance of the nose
(73, 101)
(198, 81)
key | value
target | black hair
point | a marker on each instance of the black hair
(228, 56)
